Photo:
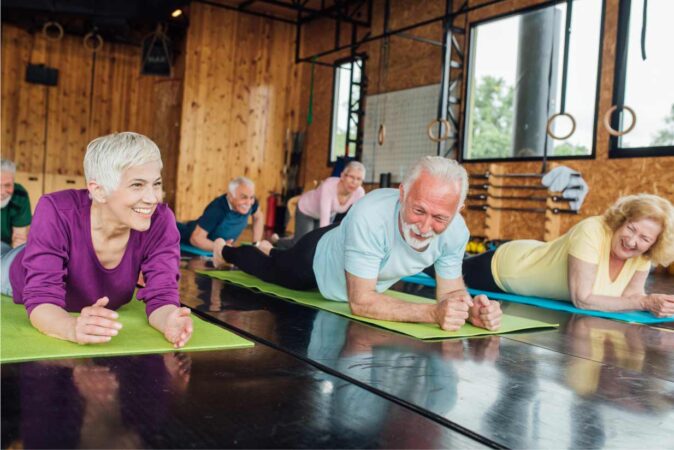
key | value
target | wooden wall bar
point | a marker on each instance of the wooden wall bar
(241, 93)
(411, 65)
(46, 129)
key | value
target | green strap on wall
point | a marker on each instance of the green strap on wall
(310, 112)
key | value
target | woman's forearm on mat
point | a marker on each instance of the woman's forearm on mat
(608, 303)
(159, 316)
(53, 321)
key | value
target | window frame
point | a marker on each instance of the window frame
(361, 107)
(619, 85)
(467, 85)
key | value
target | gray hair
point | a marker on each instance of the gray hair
(7, 165)
(438, 167)
(355, 165)
(108, 156)
(238, 181)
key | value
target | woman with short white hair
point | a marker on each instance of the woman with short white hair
(317, 208)
(87, 248)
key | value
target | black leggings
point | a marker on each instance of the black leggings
(291, 268)
(476, 272)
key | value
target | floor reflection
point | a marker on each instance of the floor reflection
(98, 403)
(402, 367)
(610, 353)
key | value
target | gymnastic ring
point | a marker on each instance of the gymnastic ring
(381, 134)
(607, 121)
(548, 128)
(93, 37)
(440, 138)
(55, 26)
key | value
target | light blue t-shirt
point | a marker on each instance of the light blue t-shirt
(368, 244)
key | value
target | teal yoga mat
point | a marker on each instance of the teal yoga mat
(21, 342)
(187, 248)
(417, 330)
(643, 317)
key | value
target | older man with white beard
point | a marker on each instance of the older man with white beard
(15, 208)
(387, 235)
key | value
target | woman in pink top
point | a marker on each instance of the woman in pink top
(318, 208)
(87, 247)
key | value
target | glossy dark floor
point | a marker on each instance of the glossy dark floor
(318, 380)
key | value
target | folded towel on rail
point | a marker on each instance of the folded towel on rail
(569, 182)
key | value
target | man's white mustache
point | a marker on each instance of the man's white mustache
(417, 231)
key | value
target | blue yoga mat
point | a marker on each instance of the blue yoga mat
(187, 248)
(557, 305)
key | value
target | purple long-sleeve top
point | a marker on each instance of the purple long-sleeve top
(59, 264)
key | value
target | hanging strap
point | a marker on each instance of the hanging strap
(565, 63)
(544, 162)
(381, 85)
(643, 31)
(310, 112)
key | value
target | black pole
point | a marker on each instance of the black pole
(444, 77)
(565, 63)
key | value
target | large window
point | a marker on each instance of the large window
(520, 74)
(644, 79)
(346, 132)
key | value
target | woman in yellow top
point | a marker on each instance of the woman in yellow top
(601, 263)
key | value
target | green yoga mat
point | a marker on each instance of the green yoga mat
(21, 342)
(417, 330)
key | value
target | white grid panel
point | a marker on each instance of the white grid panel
(406, 115)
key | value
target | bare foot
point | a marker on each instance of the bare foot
(218, 245)
(265, 247)
(274, 238)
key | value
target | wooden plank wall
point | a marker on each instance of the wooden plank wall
(241, 94)
(46, 129)
(410, 65)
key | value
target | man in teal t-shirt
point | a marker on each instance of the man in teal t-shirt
(15, 213)
(225, 217)
(387, 235)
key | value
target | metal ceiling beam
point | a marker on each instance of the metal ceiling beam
(243, 5)
(245, 11)
(463, 9)
(330, 11)
(370, 38)
(312, 12)
(419, 39)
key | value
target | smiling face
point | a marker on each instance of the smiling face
(634, 238)
(351, 179)
(428, 209)
(6, 187)
(136, 198)
(242, 199)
